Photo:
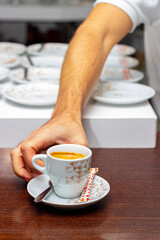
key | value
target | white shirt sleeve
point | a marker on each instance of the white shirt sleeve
(140, 11)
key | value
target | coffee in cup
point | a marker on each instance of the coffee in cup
(67, 155)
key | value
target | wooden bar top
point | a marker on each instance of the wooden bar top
(131, 210)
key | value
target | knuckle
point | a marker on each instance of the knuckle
(25, 147)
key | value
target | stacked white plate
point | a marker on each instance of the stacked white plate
(45, 61)
(122, 93)
(12, 48)
(121, 61)
(35, 94)
(121, 74)
(57, 49)
(9, 60)
(122, 49)
(35, 74)
(4, 73)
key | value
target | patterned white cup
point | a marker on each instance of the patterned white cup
(68, 176)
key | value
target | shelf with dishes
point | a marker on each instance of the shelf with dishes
(38, 67)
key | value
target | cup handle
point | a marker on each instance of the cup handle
(42, 157)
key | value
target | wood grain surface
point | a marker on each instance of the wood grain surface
(131, 211)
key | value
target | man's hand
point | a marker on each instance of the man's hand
(58, 130)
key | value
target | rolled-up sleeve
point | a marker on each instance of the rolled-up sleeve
(140, 11)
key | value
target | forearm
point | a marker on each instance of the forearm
(81, 69)
(105, 26)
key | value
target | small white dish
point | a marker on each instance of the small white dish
(4, 73)
(9, 60)
(12, 48)
(58, 49)
(100, 189)
(122, 93)
(123, 50)
(32, 94)
(34, 74)
(121, 61)
(121, 74)
(45, 61)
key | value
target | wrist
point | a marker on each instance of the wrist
(68, 105)
(67, 113)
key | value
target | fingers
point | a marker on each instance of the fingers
(18, 164)
(22, 155)
(31, 147)
(28, 152)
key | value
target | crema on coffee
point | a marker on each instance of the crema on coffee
(67, 155)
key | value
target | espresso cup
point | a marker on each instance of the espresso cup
(68, 176)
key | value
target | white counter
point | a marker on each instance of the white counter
(106, 126)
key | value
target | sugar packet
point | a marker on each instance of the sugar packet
(87, 189)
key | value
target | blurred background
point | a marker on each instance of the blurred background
(41, 21)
